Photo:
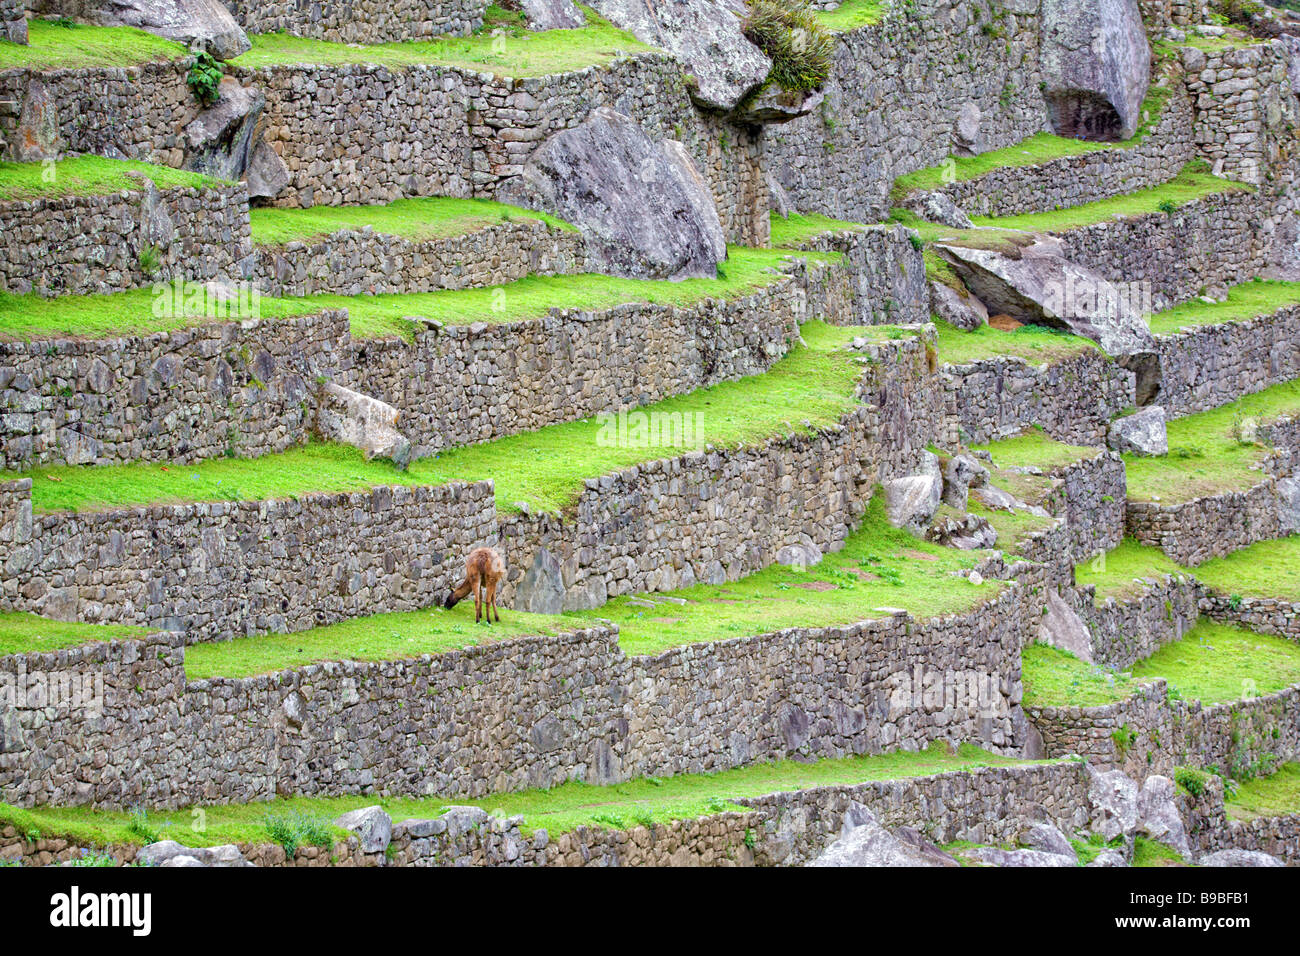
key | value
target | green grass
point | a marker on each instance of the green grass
(1036, 344)
(852, 14)
(560, 810)
(53, 46)
(89, 176)
(1207, 451)
(433, 217)
(1213, 663)
(1191, 184)
(523, 53)
(22, 633)
(1259, 297)
(1267, 569)
(1151, 853)
(879, 567)
(1276, 795)
(1033, 449)
(795, 231)
(544, 468)
(1115, 574)
(746, 271)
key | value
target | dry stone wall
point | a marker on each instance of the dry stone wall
(887, 274)
(1211, 828)
(1193, 532)
(1205, 367)
(1132, 628)
(78, 245)
(895, 97)
(226, 569)
(178, 396)
(1266, 615)
(1073, 400)
(367, 21)
(1090, 496)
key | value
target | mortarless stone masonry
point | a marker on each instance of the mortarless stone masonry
(367, 21)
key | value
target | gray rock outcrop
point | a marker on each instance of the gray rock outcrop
(171, 853)
(643, 208)
(221, 140)
(1114, 801)
(911, 501)
(373, 827)
(864, 842)
(1062, 627)
(542, 589)
(1159, 817)
(963, 312)
(1096, 67)
(37, 136)
(204, 22)
(552, 14)
(267, 175)
(1142, 433)
(363, 422)
(1239, 858)
(706, 37)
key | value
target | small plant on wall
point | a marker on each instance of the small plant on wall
(205, 78)
(800, 48)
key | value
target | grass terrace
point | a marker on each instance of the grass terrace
(1036, 344)
(1032, 448)
(1193, 183)
(90, 176)
(794, 231)
(852, 14)
(880, 568)
(1276, 795)
(64, 45)
(432, 217)
(1213, 663)
(1211, 452)
(22, 633)
(640, 802)
(816, 383)
(523, 53)
(1266, 569)
(1250, 300)
(746, 271)
(1119, 572)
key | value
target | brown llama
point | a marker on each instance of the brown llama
(484, 570)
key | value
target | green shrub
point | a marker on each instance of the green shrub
(297, 829)
(1238, 11)
(1192, 780)
(799, 47)
(205, 78)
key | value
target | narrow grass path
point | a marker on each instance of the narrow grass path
(53, 45)
(428, 217)
(641, 802)
(90, 176)
(22, 633)
(1249, 300)
(1036, 344)
(1032, 448)
(815, 383)
(1266, 569)
(1213, 663)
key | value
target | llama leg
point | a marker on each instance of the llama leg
(492, 602)
(478, 602)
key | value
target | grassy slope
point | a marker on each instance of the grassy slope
(1265, 569)
(26, 633)
(89, 176)
(795, 230)
(1037, 345)
(852, 14)
(1033, 449)
(53, 46)
(522, 53)
(431, 217)
(879, 567)
(1205, 455)
(1277, 794)
(1116, 572)
(1249, 300)
(1189, 185)
(1212, 663)
(379, 316)
(559, 810)
(545, 468)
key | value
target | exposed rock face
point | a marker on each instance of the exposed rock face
(552, 14)
(542, 589)
(960, 475)
(221, 140)
(864, 842)
(775, 105)
(643, 208)
(960, 311)
(362, 422)
(1041, 287)
(1158, 815)
(1096, 67)
(1288, 504)
(937, 207)
(267, 175)
(967, 532)
(911, 501)
(799, 554)
(1062, 627)
(707, 39)
(1142, 433)
(171, 853)
(15, 30)
(372, 826)
(1114, 800)
(37, 136)
(1239, 858)
(206, 22)
(995, 857)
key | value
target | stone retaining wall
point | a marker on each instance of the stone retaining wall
(368, 262)
(182, 396)
(1130, 629)
(1204, 245)
(1265, 615)
(887, 274)
(226, 569)
(1074, 180)
(77, 245)
(1211, 828)
(533, 712)
(1150, 733)
(894, 98)
(1073, 400)
(365, 22)
(718, 515)
(1089, 496)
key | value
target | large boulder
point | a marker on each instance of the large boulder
(642, 206)
(552, 14)
(222, 139)
(1096, 67)
(363, 422)
(1239, 858)
(37, 136)
(206, 23)
(542, 589)
(961, 311)
(373, 827)
(1038, 286)
(706, 38)
(267, 175)
(1142, 433)
(1062, 627)
(1159, 817)
(912, 501)
(864, 842)
(1113, 799)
